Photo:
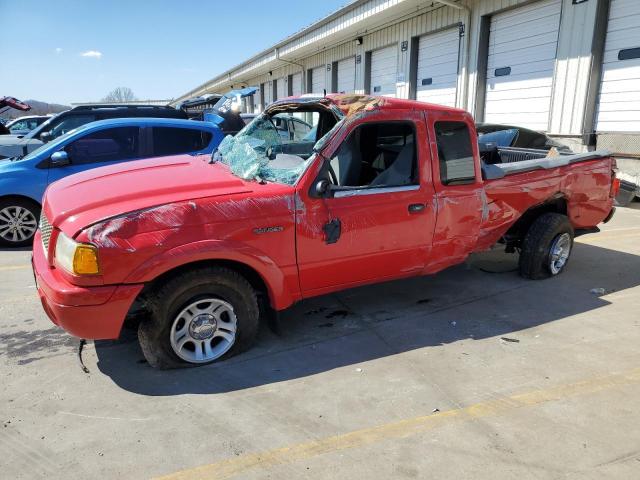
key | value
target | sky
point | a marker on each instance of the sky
(63, 51)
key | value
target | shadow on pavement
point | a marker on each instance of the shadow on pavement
(371, 322)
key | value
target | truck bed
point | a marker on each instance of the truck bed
(509, 161)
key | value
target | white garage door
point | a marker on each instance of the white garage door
(257, 101)
(268, 93)
(384, 65)
(281, 87)
(296, 84)
(437, 74)
(347, 75)
(521, 64)
(619, 105)
(318, 80)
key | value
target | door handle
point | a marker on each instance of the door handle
(416, 207)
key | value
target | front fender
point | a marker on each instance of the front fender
(279, 291)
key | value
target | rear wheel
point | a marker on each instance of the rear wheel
(198, 317)
(546, 247)
(18, 222)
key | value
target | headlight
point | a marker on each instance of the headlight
(76, 258)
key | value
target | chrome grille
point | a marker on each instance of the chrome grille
(45, 232)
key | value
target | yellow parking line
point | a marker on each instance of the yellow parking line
(606, 236)
(14, 267)
(234, 466)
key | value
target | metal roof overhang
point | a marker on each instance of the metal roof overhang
(358, 18)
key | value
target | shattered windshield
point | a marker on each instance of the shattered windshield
(276, 148)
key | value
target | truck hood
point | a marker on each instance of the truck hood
(86, 198)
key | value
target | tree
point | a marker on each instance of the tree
(120, 95)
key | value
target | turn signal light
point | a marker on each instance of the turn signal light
(85, 260)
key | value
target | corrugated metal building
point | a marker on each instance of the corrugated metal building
(568, 67)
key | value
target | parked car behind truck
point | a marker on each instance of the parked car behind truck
(58, 125)
(23, 125)
(23, 181)
(387, 189)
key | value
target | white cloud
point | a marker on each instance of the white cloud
(92, 54)
(58, 51)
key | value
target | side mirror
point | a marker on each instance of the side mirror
(322, 188)
(45, 137)
(60, 159)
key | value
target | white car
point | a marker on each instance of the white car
(23, 125)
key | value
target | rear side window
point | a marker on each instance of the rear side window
(457, 166)
(107, 145)
(174, 141)
(68, 123)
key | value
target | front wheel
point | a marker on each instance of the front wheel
(198, 317)
(18, 222)
(546, 247)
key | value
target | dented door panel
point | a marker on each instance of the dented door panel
(381, 237)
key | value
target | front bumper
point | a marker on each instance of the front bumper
(95, 313)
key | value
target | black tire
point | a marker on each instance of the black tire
(8, 206)
(169, 299)
(535, 256)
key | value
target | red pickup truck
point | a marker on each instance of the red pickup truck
(378, 189)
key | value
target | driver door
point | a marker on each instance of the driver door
(379, 229)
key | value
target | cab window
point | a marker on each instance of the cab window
(455, 155)
(377, 155)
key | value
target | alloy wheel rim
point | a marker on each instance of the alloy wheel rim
(559, 252)
(17, 224)
(204, 330)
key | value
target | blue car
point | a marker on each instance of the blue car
(24, 180)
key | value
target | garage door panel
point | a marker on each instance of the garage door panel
(619, 99)
(522, 71)
(449, 70)
(517, 58)
(624, 38)
(502, 94)
(522, 51)
(621, 106)
(534, 121)
(296, 84)
(347, 75)
(546, 42)
(625, 21)
(384, 67)
(616, 126)
(619, 87)
(523, 15)
(619, 115)
(542, 28)
(611, 56)
(519, 82)
(621, 8)
(318, 80)
(437, 69)
(440, 51)
(268, 93)
(506, 106)
(281, 87)
(613, 72)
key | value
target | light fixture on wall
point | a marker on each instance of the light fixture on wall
(358, 41)
(270, 73)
